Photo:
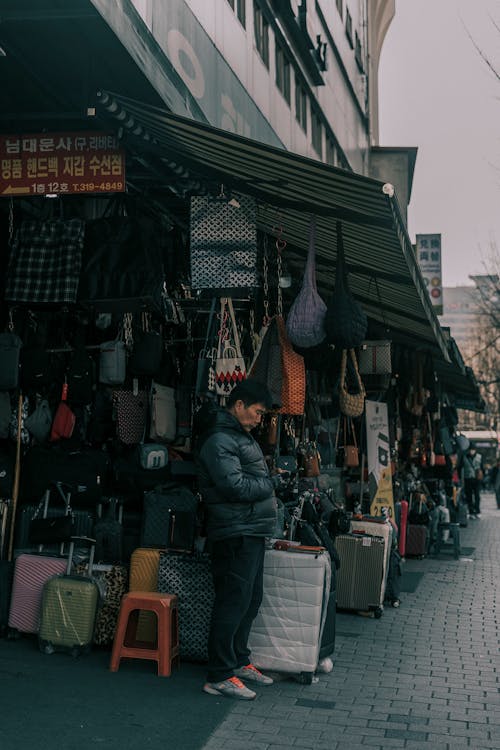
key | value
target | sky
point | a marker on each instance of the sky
(436, 93)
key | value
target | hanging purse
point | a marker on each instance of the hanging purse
(112, 362)
(351, 404)
(223, 242)
(375, 358)
(131, 412)
(39, 422)
(345, 320)
(163, 412)
(309, 459)
(293, 388)
(230, 368)
(305, 321)
(64, 419)
(351, 453)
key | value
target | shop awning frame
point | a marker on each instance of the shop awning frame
(383, 270)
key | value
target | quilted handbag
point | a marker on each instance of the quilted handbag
(189, 576)
(223, 242)
(293, 388)
(305, 323)
(345, 319)
(375, 358)
(351, 404)
(131, 412)
(230, 368)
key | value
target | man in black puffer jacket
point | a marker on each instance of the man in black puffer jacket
(241, 511)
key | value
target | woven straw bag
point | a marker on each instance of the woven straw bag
(351, 404)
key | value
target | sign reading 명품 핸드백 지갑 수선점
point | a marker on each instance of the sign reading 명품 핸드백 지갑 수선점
(429, 259)
(61, 163)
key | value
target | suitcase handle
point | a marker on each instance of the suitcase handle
(90, 543)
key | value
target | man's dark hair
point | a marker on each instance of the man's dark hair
(250, 392)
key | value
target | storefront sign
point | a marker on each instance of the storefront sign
(60, 163)
(379, 458)
(429, 260)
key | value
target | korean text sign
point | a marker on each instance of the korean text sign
(61, 163)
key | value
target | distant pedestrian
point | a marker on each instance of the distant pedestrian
(472, 466)
(495, 481)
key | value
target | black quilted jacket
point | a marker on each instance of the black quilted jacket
(234, 481)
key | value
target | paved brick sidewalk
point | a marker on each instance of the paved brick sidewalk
(425, 675)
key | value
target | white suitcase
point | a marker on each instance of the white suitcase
(286, 634)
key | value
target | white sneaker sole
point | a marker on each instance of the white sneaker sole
(237, 696)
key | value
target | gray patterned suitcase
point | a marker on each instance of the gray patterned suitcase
(360, 577)
(190, 577)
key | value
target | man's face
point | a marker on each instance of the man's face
(249, 417)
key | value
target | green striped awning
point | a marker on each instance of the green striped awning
(383, 271)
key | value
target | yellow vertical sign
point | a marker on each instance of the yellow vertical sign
(379, 458)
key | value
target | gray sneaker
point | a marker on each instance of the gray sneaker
(252, 674)
(231, 688)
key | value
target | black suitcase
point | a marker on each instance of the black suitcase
(108, 535)
(190, 578)
(169, 518)
(83, 523)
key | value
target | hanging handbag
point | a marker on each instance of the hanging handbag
(267, 366)
(5, 414)
(45, 261)
(131, 413)
(64, 419)
(345, 320)
(152, 455)
(147, 349)
(351, 404)
(205, 367)
(112, 362)
(230, 368)
(293, 388)
(375, 358)
(223, 242)
(309, 459)
(10, 349)
(351, 453)
(163, 412)
(305, 321)
(39, 422)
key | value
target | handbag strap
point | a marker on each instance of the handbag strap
(359, 382)
(310, 271)
(236, 337)
(353, 432)
(211, 317)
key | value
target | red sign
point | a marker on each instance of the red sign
(60, 163)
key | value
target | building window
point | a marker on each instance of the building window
(331, 152)
(282, 72)
(348, 27)
(340, 7)
(300, 104)
(261, 30)
(316, 132)
(239, 7)
(358, 53)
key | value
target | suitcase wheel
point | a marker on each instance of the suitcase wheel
(305, 678)
(378, 612)
(13, 634)
(46, 647)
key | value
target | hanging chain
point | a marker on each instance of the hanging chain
(265, 276)
(11, 220)
(127, 330)
(280, 246)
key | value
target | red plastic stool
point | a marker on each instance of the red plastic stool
(165, 650)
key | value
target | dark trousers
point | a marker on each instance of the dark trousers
(237, 570)
(472, 494)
